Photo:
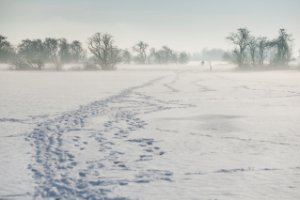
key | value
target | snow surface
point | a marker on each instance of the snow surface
(150, 133)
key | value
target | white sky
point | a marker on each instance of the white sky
(181, 24)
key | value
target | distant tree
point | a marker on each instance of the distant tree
(3, 42)
(64, 51)
(77, 52)
(283, 47)
(52, 52)
(106, 54)
(154, 56)
(228, 56)
(164, 55)
(169, 56)
(33, 52)
(141, 48)
(183, 58)
(6, 50)
(262, 45)
(241, 42)
(126, 56)
(252, 49)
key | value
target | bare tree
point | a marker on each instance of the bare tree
(166, 55)
(52, 52)
(6, 50)
(141, 48)
(283, 47)
(77, 52)
(252, 49)
(241, 41)
(262, 45)
(106, 54)
(3, 42)
(169, 55)
(33, 52)
(183, 58)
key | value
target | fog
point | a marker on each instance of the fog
(189, 26)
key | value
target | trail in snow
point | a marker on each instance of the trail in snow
(72, 161)
(182, 136)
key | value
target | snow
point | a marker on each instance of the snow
(145, 132)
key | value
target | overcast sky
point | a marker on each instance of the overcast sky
(181, 24)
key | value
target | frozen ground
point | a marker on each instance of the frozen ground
(145, 133)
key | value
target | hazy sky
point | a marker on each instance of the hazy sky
(181, 24)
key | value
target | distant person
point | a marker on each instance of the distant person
(202, 63)
(210, 66)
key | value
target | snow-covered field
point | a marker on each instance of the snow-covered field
(150, 133)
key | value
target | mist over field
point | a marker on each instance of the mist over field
(161, 99)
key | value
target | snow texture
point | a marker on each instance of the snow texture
(147, 133)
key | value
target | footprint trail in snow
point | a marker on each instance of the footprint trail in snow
(76, 160)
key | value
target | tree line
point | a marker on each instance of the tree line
(250, 51)
(104, 54)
